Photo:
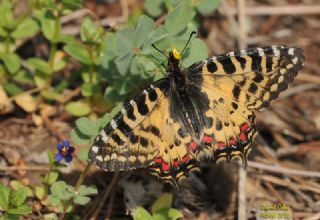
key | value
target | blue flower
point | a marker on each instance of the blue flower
(65, 151)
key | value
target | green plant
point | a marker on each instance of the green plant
(12, 203)
(49, 14)
(56, 194)
(13, 29)
(129, 61)
(161, 210)
(155, 8)
(88, 54)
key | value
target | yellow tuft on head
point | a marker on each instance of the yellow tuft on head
(176, 54)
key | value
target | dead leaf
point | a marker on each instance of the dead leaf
(26, 102)
(6, 105)
(37, 120)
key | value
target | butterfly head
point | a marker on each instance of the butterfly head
(175, 53)
(173, 61)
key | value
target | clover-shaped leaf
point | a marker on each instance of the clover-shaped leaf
(87, 190)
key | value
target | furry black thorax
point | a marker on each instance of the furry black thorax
(187, 104)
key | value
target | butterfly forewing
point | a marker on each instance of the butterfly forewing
(144, 135)
(252, 77)
(123, 144)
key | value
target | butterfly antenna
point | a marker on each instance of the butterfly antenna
(154, 46)
(192, 33)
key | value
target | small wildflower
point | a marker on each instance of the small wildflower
(65, 151)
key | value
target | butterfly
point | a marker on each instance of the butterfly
(200, 113)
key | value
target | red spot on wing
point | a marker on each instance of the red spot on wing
(244, 127)
(232, 141)
(158, 160)
(207, 139)
(176, 163)
(165, 166)
(221, 144)
(193, 145)
(243, 136)
(186, 158)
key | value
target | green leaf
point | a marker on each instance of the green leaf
(86, 126)
(12, 89)
(60, 65)
(83, 154)
(6, 16)
(123, 86)
(167, 213)
(206, 7)
(54, 200)
(142, 214)
(40, 65)
(27, 28)
(21, 210)
(67, 39)
(52, 177)
(48, 26)
(108, 116)
(87, 190)
(198, 51)
(159, 34)
(110, 52)
(78, 137)
(89, 89)
(19, 196)
(11, 217)
(78, 52)
(51, 157)
(12, 62)
(4, 197)
(72, 4)
(123, 63)
(154, 7)
(144, 28)
(178, 18)
(40, 79)
(50, 216)
(40, 192)
(164, 201)
(78, 108)
(88, 30)
(24, 77)
(111, 94)
(171, 4)
(50, 94)
(81, 200)
(61, 86)
(15, 184)
(62, 190)
(125, 41)
(58, 189)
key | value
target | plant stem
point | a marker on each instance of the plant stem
(82, 176)
(76, 188)
(53, 49)
(45, 184)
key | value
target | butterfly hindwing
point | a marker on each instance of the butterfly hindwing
(237, 83)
